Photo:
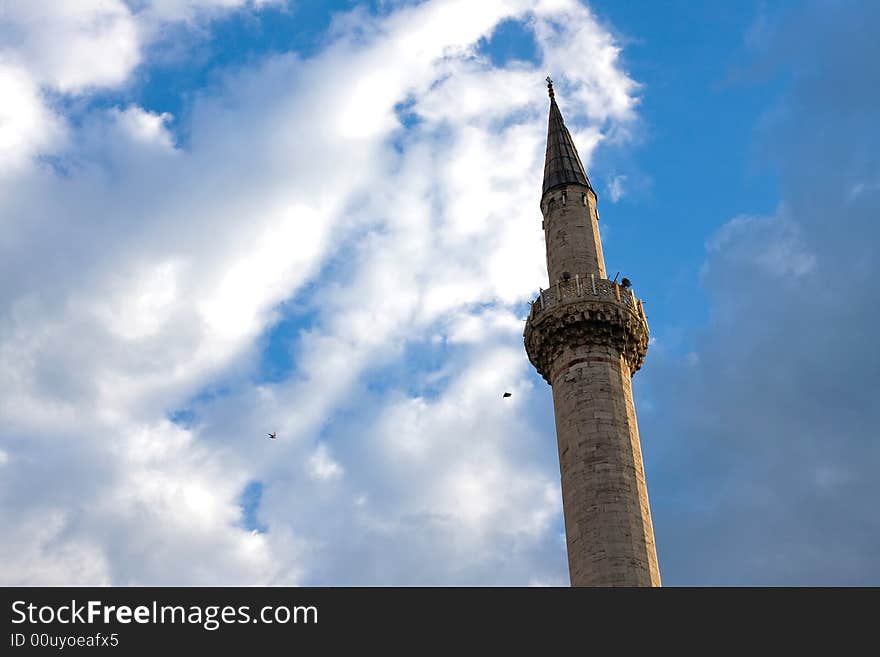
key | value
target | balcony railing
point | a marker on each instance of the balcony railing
(589, 287)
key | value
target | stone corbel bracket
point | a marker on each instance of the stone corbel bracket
(565, 324)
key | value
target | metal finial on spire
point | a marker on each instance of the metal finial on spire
(562, 166)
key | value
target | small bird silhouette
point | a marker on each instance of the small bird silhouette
(273, 435)
(506, 394)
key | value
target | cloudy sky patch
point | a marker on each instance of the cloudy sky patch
(331, 230)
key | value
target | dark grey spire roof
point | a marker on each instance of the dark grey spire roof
(562, 165)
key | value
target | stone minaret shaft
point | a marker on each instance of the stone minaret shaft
(587, 336)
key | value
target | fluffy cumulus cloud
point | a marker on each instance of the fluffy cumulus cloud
(378, 196)
(765, 436)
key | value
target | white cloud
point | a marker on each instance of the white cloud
(616, 188)
(71, 46)
(36, 553)
(74, 48)
(190, 10)
(578, 50)
(144, 126)
(26, 124)
(322, 465)
(298, 184)
(774, 246)
(479, 327)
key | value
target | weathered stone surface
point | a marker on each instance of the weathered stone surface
(587, 347)
(605, 499)
(587, 336)
(571, 233)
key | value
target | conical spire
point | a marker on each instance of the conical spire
(562, 165)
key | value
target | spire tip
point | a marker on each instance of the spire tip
(550, 87)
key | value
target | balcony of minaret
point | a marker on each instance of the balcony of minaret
(585, 311)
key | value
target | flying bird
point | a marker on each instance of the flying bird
(273, 435)
(506, 394)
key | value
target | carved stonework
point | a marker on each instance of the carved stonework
(585, 320)
(587, 335)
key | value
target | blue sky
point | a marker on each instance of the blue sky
(322, 219)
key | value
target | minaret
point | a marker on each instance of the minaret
(587, 335)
